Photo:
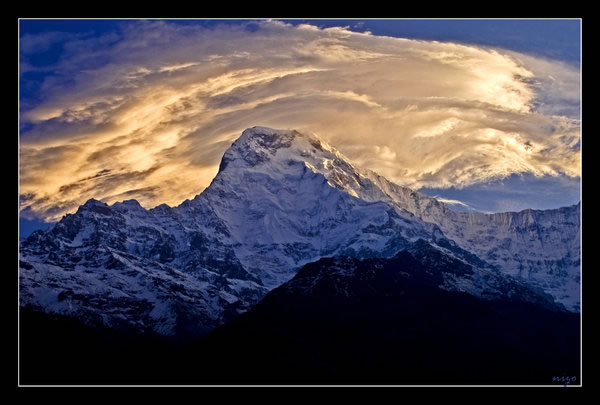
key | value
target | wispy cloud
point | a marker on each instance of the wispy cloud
(452, 202)
(156, 105)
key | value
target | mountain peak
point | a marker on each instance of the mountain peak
(93, 202)
(258, 145)
(130, 204)
(260, 132)
(285, 154)
(262, 137)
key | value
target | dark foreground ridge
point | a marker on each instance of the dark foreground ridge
(338, 321)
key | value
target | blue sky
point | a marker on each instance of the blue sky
(61, 59)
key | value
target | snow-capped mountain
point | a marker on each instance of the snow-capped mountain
(540, 247)
(279, 195)
(281, 199)
(130, 268)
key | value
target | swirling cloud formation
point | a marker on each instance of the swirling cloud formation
(148, 111)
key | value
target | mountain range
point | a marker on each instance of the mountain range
(280, 201)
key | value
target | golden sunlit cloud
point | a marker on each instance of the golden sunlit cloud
(153, 122)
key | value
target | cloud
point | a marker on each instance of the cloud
(452, 202)
(156, 104)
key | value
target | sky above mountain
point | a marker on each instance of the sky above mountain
(484, 114)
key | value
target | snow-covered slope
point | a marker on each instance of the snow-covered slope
(541, 247)
(281, 199)
(131, 268)
(275, 194)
